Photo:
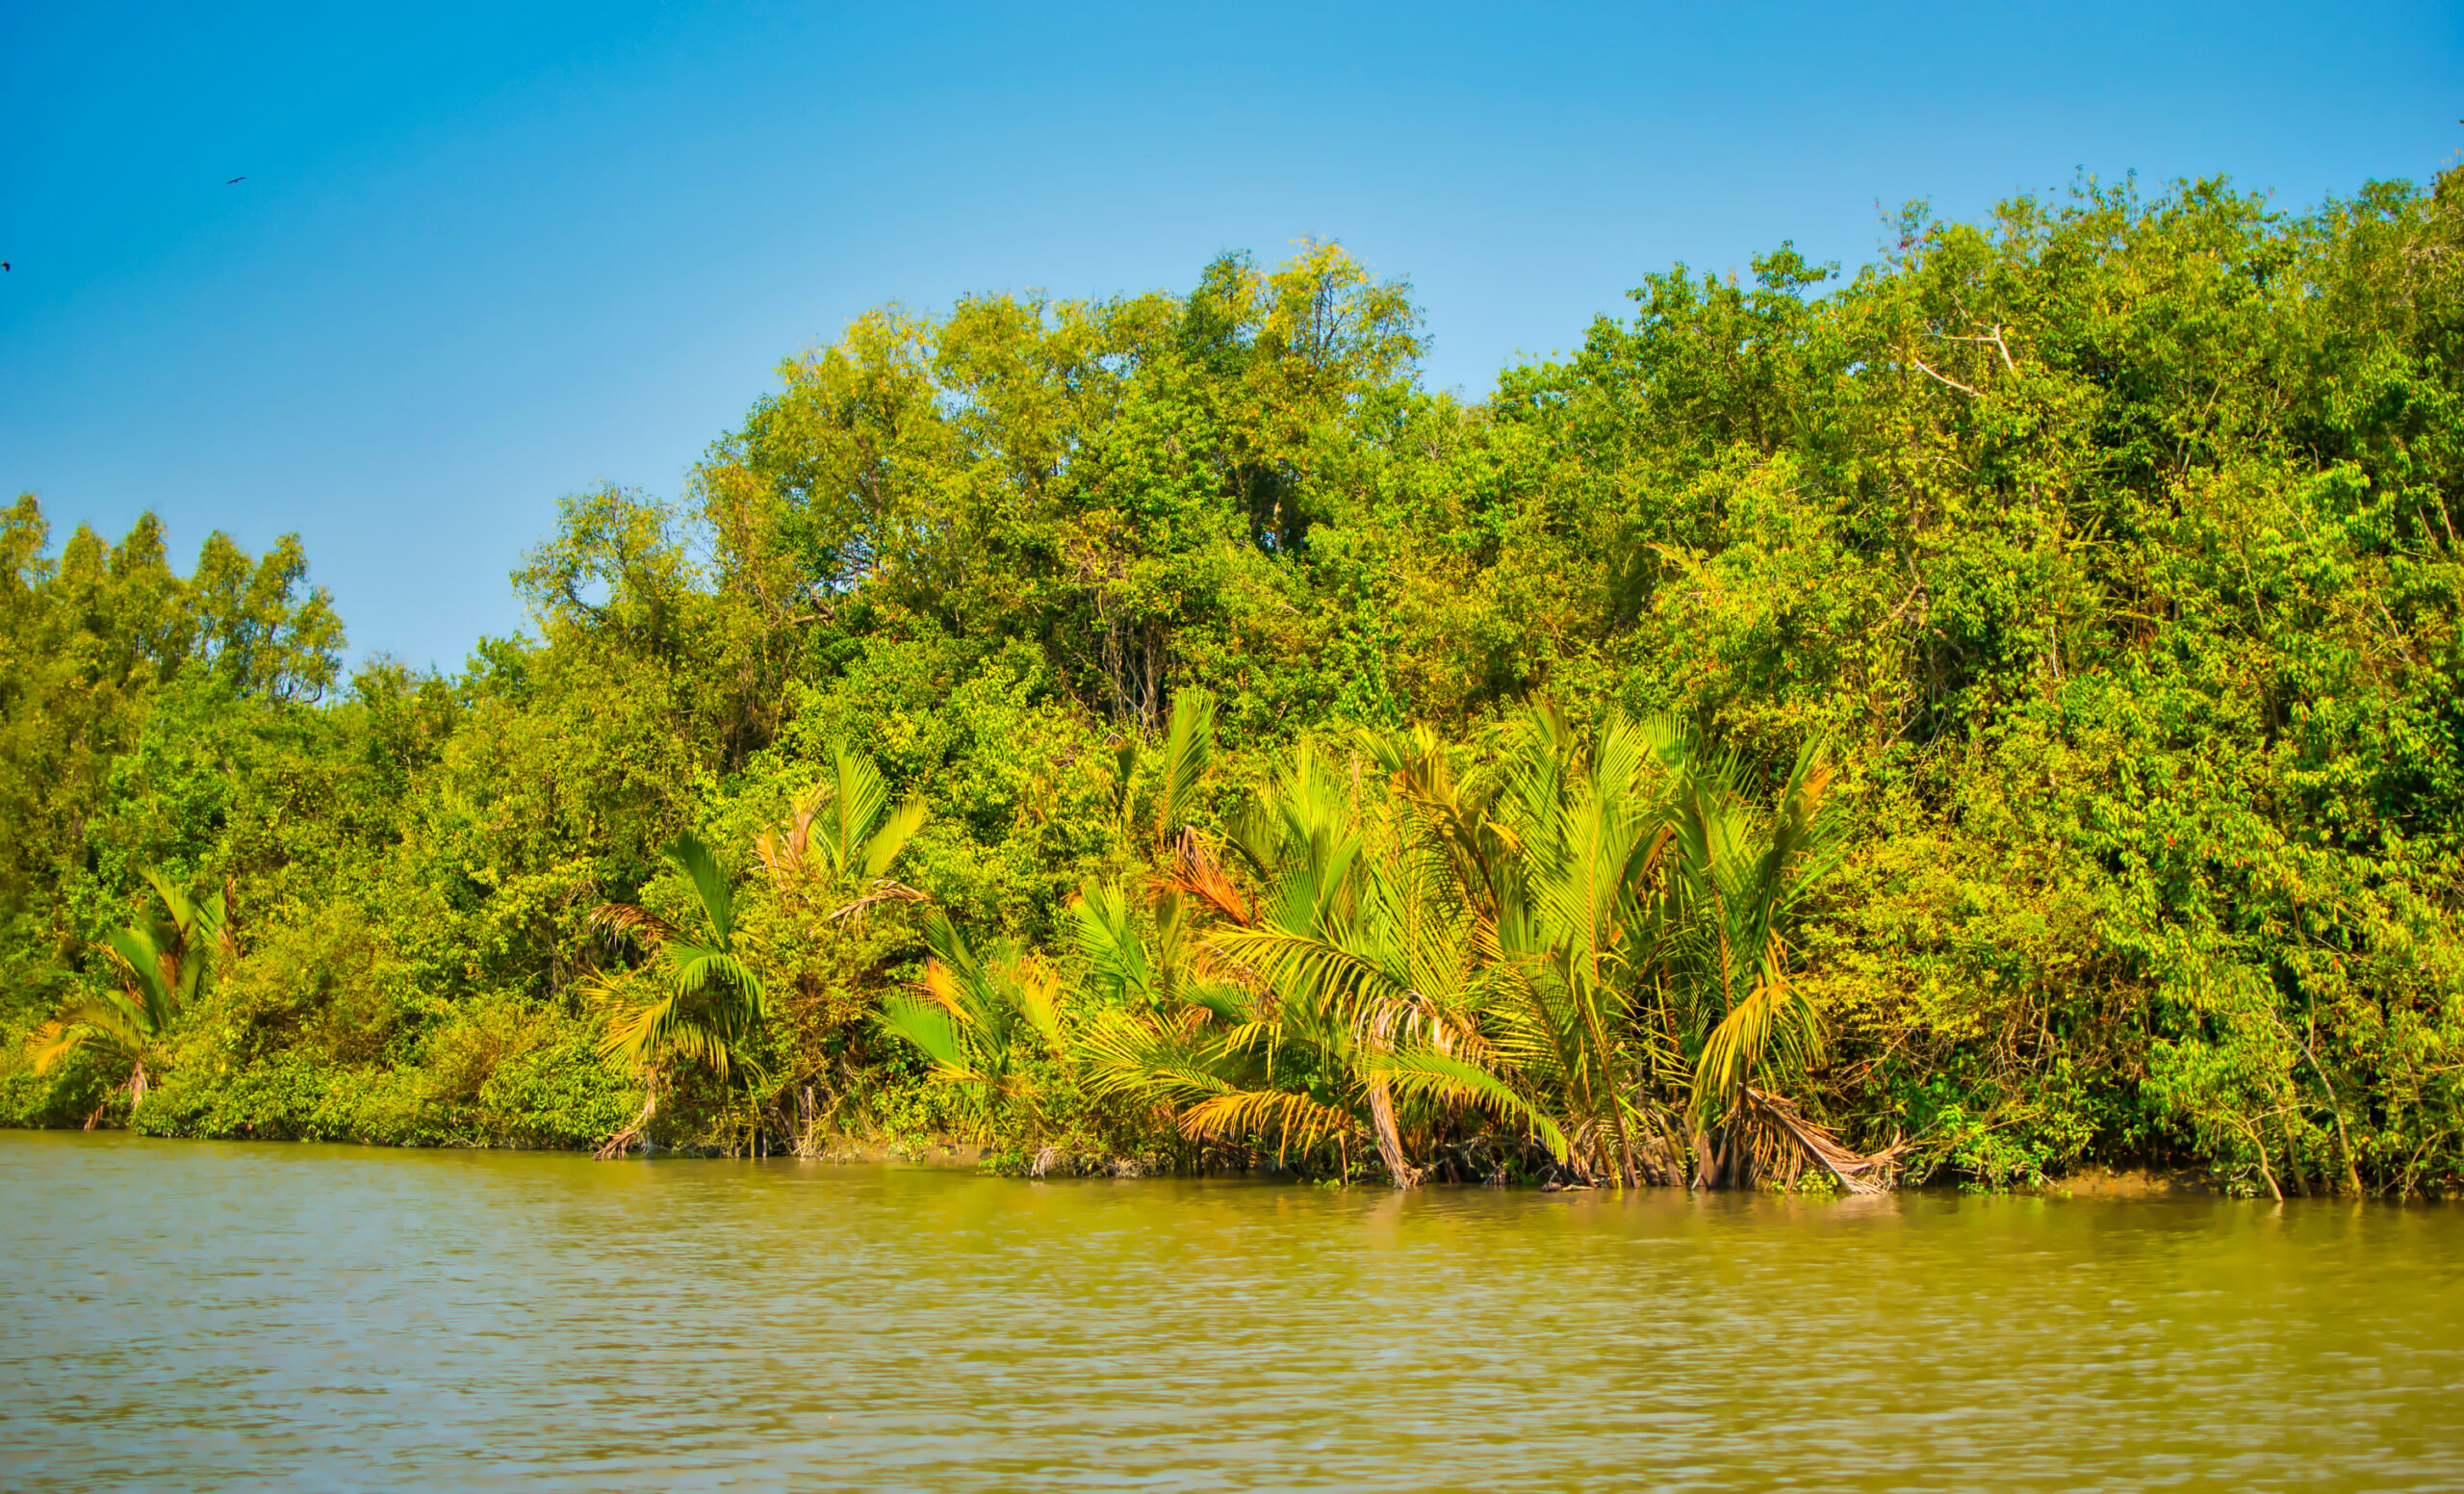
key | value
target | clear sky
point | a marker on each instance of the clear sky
(485, 255)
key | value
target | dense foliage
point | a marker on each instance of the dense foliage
(2002, 706)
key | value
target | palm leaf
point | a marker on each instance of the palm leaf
(634, 1028)
(1775, 1028)
(1106, 935)
(697, 970)
(1202, 877)
(709, 884)
(857, 796)
(1294, 1120)
(144, 965)
(930, 1027)
(885, 843)
(628, 919)
(1189, 747)
(1320, 973)
(54, 1040)
(1426, 1073)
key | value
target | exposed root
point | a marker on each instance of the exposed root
(623, 1141)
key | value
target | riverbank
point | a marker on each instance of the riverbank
(945, 1154)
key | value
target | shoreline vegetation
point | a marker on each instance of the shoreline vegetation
(1995, 716)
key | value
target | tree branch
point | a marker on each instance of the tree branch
(1943, 377)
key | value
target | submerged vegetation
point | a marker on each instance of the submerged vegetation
(1997, 713)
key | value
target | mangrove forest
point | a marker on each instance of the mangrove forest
(1990, 714)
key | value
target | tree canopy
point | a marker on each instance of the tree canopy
(2002, 710)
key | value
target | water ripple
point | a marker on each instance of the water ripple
(195, 1316)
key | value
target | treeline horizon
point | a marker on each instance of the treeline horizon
(1988, 715)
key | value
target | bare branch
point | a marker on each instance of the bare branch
(1994, 337)
(1943, 377)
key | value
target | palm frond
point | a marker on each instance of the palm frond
(699, 970)
(883, 845)
(1198, 874)
(1426, 1073)
(856, 798)
(1127, 1058)
(933, 1029)
(1775, 1026)
(1188, 748)
(634, 1028)
(709, 884)
(53, 1041)
(1316, 972)
(884, 889)
(628, 919)
(1039, 997)
(1293, 1120)
(151, 972)
(1105, 933)
(1226, 1004)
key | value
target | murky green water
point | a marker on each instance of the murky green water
(185, 1316)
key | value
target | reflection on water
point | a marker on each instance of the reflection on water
(190, 1316)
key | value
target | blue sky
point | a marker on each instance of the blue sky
(487, 255)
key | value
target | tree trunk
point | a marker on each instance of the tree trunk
(1381, 1109)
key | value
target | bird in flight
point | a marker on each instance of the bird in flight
(235, 181)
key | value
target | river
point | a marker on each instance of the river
(207, 1316)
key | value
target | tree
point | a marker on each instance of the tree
(1578, 932)
(989, 1024)
(163, 965)
(1741, 893)
(695, 1004)
(840, 837)
(1350, 1018)
(820, 930)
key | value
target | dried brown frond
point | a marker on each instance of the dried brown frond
(628, 919)
(1196, 871)
(1785, 1141)
(784, 847)
(884, 891)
